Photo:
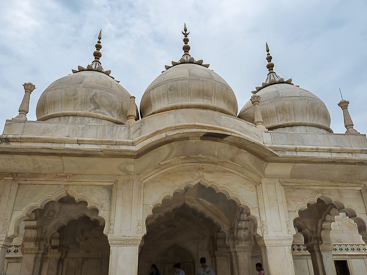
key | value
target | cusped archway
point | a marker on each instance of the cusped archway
(201, 219)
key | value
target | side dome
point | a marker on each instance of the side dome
(88, 94)
(285, 107)
(188, 86)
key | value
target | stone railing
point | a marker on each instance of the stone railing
(299, 249)
(14, 251)
(348, 248)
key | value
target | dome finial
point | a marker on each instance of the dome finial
(186, 47)
(97, 53)
(272, 77)
(186, 57)
(270, 65)
(96, 64)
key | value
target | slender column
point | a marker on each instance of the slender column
(348, 123)
(234, 261)
(258, 119)
(39, 260)
(53, 255)
(5, 244)
(322, 258)
(277, 236)
(131, 114)
(124, 256)
(244, 260)
(24, 106)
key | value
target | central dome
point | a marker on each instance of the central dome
(188, 86)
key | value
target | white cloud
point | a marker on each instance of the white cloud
(318, 44)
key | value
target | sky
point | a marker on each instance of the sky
(321, 45)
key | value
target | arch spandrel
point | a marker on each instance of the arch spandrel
(218, 152)
(39, 203)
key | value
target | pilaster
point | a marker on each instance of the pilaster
(277, 236)
(5, 244)
(8, 193)
(126, 230)
(124, 255)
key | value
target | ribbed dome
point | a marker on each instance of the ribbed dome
(188, 86)
(285, 106)
(84, 97)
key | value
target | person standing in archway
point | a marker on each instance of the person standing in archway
(178, 270)
(154, 270)
(259, 267)
(205, 269)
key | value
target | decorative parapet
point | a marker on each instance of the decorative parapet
(299, 249)
(14, 251)
(338, 248)
(348, 248)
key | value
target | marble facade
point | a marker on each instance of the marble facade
(92, 189)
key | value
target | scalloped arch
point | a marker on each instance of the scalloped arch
(337, 204)
(217, 188)
(327, 199)
(40, 204)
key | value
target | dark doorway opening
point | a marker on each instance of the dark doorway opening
(342, 267)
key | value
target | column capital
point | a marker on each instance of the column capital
(124, 240)
(275, 241)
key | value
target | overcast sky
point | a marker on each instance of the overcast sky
(321, 45)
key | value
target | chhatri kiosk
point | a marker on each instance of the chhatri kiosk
(98, 186)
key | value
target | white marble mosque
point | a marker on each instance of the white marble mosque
(99, 186)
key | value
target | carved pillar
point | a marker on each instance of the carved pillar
(29, 247)
(24, 106)
(124, 256)
(348, 123)
(277, 236)
(5, 244)
(258, 119)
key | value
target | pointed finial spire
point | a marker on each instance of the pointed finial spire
(97, 53)
(272, 77)
(186, 57)
(270, 65)
(186, 47)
